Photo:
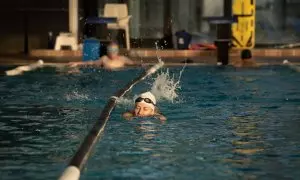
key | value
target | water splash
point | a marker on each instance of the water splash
(157, 56)
(166, 86)
(75, 95)
(126, 101)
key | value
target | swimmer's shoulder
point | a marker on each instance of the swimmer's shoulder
(103, 58)
(123, 57)
(250, 63)
(236, 62)
(126, 60)
(102, 61)
(159, 115)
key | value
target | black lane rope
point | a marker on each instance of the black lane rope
(72, 172)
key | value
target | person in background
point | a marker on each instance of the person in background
(145, 106)
(246, 60)
(111, 61)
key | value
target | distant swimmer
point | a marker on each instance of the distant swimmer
(145, 106)
(246, 60)
(291, 65)
(112, 61)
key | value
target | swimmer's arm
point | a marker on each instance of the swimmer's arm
(128, 115)
(131, 62)
(87, 63)
(128, 61)
(161, 117)
(75, 64)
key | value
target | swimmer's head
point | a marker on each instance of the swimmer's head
(285, 61)
(40, 61)
(219, 64)
(113, 49)
(246, 54)
(145, 105)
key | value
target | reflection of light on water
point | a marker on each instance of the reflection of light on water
(246, 129)
(249, 141)
(146, 149)
(148, 129)
(248, 151)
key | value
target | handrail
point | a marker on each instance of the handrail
(72, 172)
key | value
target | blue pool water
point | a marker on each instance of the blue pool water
(226, 124)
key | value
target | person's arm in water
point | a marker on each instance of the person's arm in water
(128, 115)
(87, 63)
(131, 62)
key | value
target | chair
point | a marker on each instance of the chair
(66, 39)
(121, 12)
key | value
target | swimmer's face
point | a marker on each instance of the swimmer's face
(112, 50)
(142, 110)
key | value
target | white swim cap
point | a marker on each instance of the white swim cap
(40, 61)
(285, 61)
(148, 95)
(147, 98)
(219, 64)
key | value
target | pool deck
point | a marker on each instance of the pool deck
(149, 56)
(151, 53)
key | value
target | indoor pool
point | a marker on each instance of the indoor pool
(225, 124)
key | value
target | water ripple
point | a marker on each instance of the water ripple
(229, 124)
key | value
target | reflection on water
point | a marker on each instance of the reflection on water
(39, 133)
(249, 137)
(149, 129)
(247, 142)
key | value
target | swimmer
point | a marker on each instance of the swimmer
(291, 65)
(112, 61)
(145, 106)
(246, 60)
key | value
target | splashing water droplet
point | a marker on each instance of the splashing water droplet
(165, 86)
(157, 48)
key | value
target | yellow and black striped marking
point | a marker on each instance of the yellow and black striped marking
(243, 32)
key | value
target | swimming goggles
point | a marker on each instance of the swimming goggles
(147, 100)
(113, 49)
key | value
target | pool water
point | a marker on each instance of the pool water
(226, 123)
